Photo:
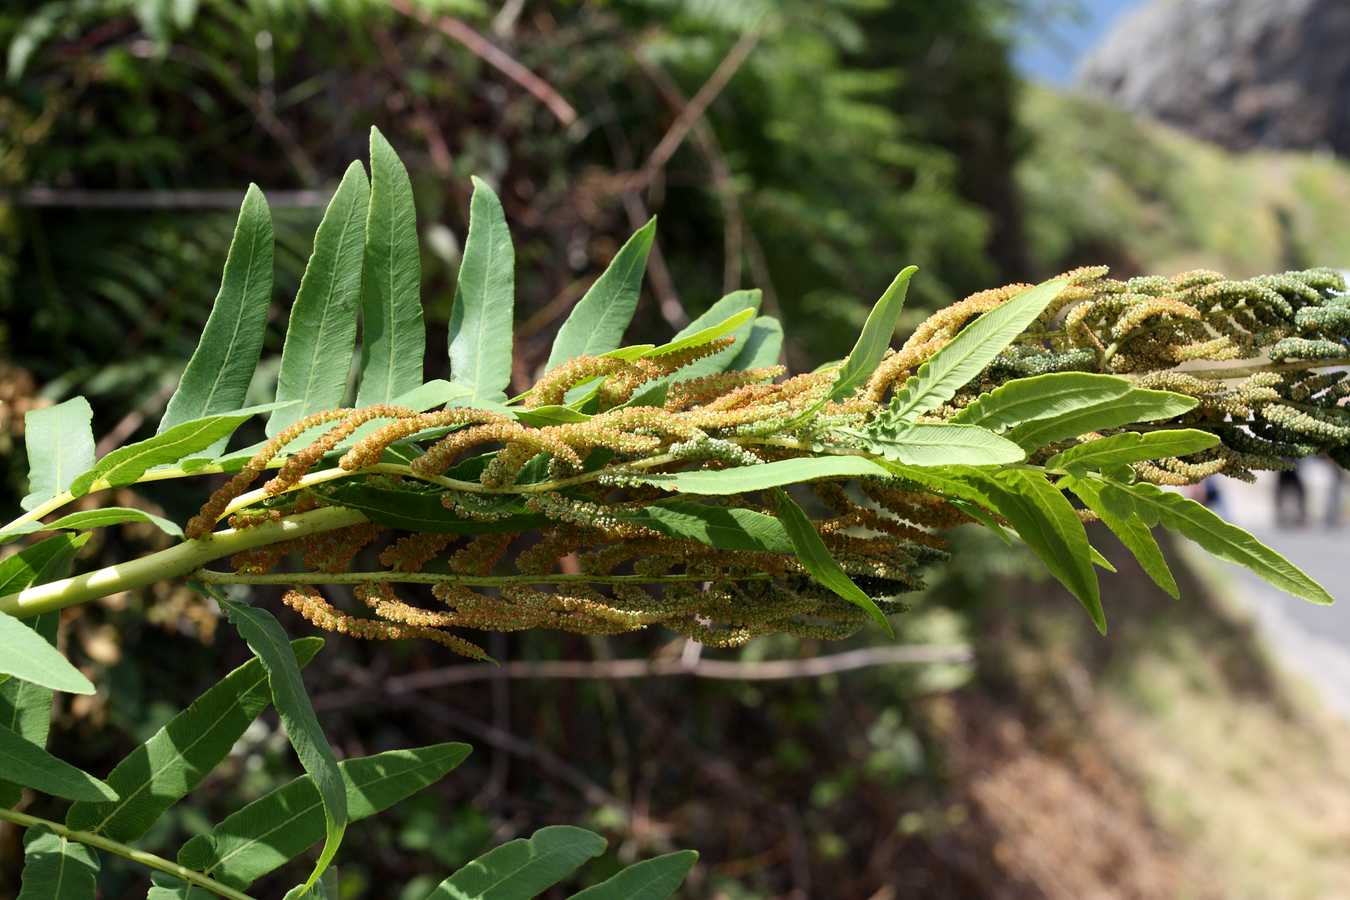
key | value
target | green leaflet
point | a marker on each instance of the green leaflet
(29, 657)
(728, 528)
(26, 708)
(733, 315)
(281, 825)
(38, 563)
(28, 764)
(1155, 506)
(57, 868)
(933, 444)
(268, 642)
(938, 380)
(1040, 397)
(1048, 525)
(60, 444)
(875, 339)
(168, 766)
(763, 346)
(418, 510)
(815, 557)
(393, 336)
(322, 331)
(216, 378)
(1136, 405)
(1131, 446)
(651, 879)
(1100, 561)
(94, 518)
(597, 323)
(482, 317)
(1129, 530)
(633, 351)
(523, 868)
(742, 479)
(126, 464)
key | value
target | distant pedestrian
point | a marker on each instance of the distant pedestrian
(1289, 491)
(1333, 517)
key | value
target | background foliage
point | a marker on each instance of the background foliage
(855, 135)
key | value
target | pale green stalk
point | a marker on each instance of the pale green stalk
(179, 560)
(150, 860)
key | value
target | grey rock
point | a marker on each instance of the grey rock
(1241, 73)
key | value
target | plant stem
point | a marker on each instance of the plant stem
(178, 560)
(1218, 373)
(149, 860)
(210, 576)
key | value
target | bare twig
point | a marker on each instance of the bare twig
(441, 159)
(774, 670)
(693, 112)
(171, 199)
(460, 31)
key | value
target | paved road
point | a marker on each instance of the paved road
(1311, 641)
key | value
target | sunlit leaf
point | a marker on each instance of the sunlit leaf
(26, 708)
(1136, 405)
(1154, 506)
(60, 443)
(57, 868)
(168, 766)
(322, 331)
(939, 444)
(482, 317)
(733, 316)
(126, 464)
(217, 377)
(1131, 446)
(875, 338)
(393, 336)
(1130, 530)
(1040, 397)
(597, 323)
(815, 557)
(95, 518)
(267, 640)
(742, 479)
(281, 825)
(938, 379)
(32, 766)
(1046, 521)
(763, 346)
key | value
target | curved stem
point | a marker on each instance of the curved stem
(150, 860)
(178, 560)
(1219, 373)
(210, 576)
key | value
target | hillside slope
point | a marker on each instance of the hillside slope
(1100, 185)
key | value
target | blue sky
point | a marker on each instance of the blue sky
(1049, 51)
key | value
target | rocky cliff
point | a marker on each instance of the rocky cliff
(1242, 73)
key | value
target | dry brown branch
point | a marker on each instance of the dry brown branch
(729, 670)
(173, 199)
(460, 31)
(693, 112)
